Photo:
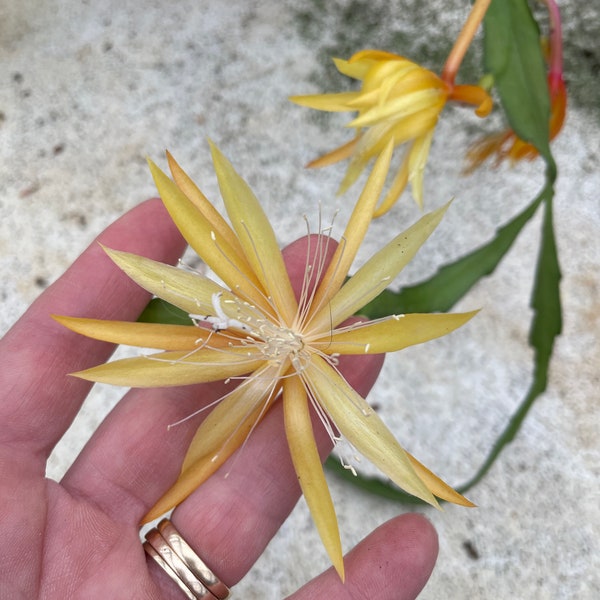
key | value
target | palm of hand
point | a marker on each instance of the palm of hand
(80, 538)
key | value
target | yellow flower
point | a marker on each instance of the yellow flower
(399, 101)
(252, 329)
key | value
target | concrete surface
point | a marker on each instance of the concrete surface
(88, 89)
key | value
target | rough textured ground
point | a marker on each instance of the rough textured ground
(87, 90)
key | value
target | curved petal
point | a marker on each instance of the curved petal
(307, 463)
(398, 108)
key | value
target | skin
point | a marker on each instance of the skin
(79, 538)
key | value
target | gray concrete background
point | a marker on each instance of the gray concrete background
(88, 89)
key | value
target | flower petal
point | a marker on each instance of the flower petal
(340, 153)
(175, 368)
(399, 108)
(338, 102)
(357, 226)
(377, 273)
(417, 159)
(437, 486)
(201, 202)
(144, 335)
(209, 244)
(192, 292)
(363, 428)
(222, 432)
(256, 237)
(396, 188)
(392, 333)
(307, 463)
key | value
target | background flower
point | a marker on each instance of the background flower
(399, 102)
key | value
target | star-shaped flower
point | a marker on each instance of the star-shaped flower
(253, 330)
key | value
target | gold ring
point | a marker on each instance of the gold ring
(177, 559)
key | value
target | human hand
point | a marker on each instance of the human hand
(80, 538)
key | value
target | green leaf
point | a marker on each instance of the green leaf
(545, 327)
(160, 311)
(452, 281)
(513, 55)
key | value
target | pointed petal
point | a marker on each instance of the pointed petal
(357, 226)
(437, 486)
(144, 335)
(395, 190)
(363, 428)
(356, 69)
(175, 368)
(256, 237)
(192, 292)
(330, 102)
(334, 156)
(392, 333)
(220, 435)
(377, 273)
(417, 159)
(210, 246)
(201, 202)
(307, 463)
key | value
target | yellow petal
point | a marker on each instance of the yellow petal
(223, 431)
(256, 237)
(438, 487)
(192, 292)
(396, 188)
(363, 428)
(175, 368)
(194, 194)
(307, 463)
(417, 159)
(392, 333)
(357, 226)
(341, 153)
(357, 69)
(329, 102)
(399, 108)
(144, 335)
(209, 244)
(377, 273)
(416, 125)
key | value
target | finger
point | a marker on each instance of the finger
(392, 563)
(38, 400)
